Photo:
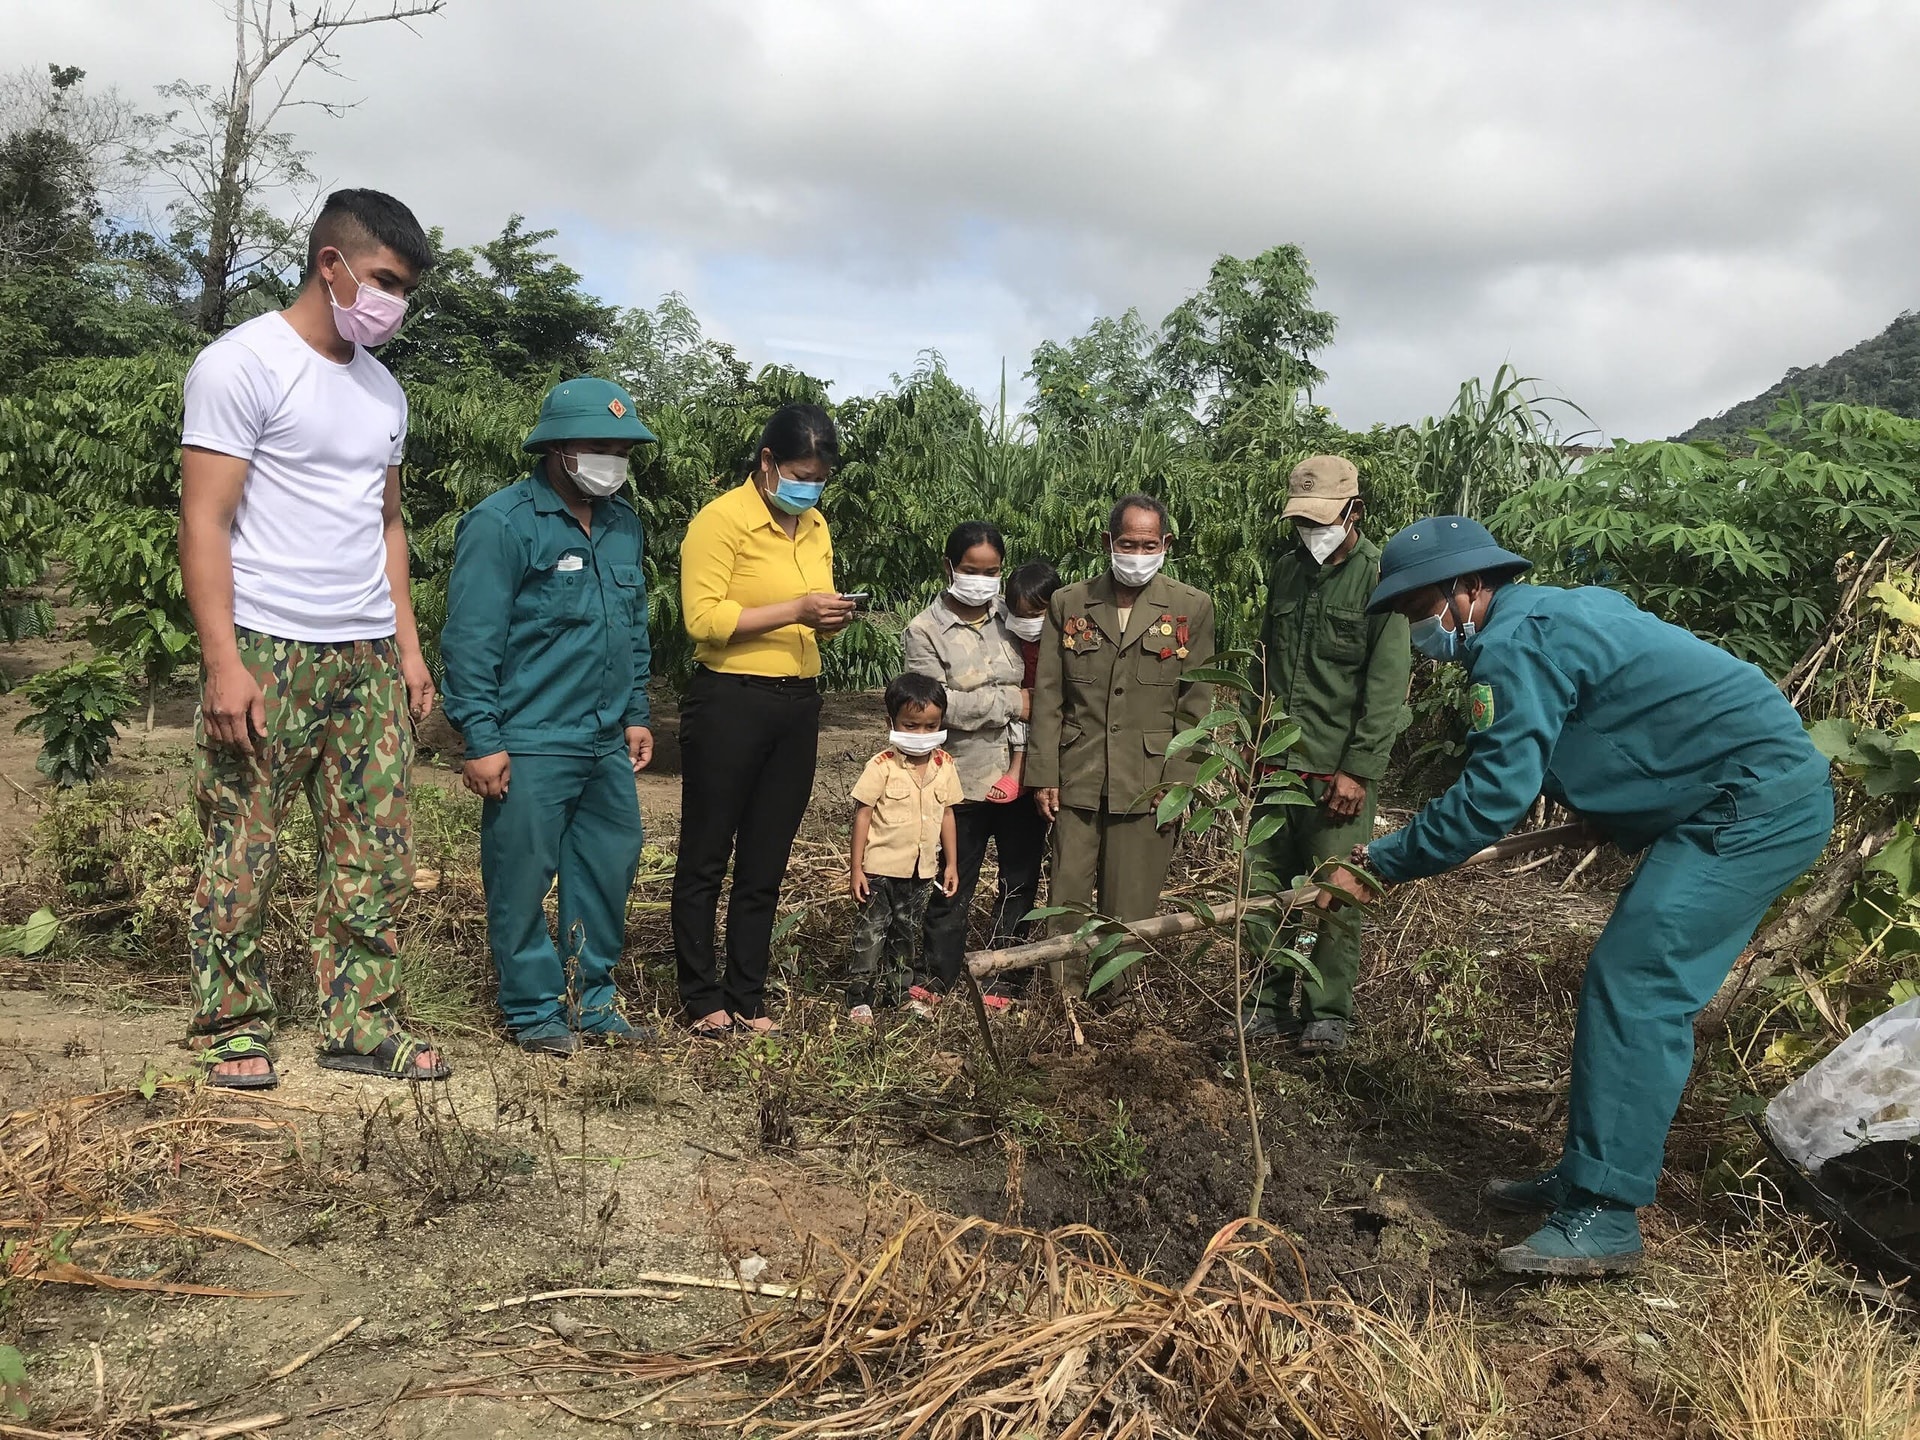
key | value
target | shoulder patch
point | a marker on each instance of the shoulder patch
(1480, 708)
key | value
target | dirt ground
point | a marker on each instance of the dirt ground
(409, 1212)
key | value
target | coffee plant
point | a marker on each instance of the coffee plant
(76, 712)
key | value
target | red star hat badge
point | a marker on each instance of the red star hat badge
(618, 407)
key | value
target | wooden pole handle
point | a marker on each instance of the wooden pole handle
(987, 963)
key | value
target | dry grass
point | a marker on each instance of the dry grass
(89, 1174)
(964, 1328)
(1760, 1339)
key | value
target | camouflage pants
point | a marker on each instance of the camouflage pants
(337, 728)
(883, 939)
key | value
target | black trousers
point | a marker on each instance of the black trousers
(1020, 835)
(881, 960)
(747, 750)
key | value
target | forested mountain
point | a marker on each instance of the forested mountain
(1883, 371)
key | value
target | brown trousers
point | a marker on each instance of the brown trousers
(1117, 863)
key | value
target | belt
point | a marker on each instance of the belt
(778, 684)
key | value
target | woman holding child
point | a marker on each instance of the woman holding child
(971, 642)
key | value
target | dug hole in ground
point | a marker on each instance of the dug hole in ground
(932, 1241)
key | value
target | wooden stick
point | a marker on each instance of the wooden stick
(589, 1293)
(984, 963)
(249, 1426)
(1807, 669)
(1531, 865)
(325, 1345)
(703, 1282)
(1580, 869)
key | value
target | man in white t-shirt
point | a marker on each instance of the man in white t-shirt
(294, 557)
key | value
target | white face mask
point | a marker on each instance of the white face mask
(596, 475)
(916, 742)
(1321, 540)
(1134, 571)
(1026, 627)
(974, 589)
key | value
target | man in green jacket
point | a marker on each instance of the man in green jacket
(547, 656)
(1110, 691)
(1341, 675)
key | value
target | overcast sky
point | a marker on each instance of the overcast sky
(1657, 207)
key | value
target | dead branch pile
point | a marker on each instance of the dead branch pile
(962, 1328)
(96, 1171)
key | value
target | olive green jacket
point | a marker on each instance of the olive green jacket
(1338, 672)
(1106, 702)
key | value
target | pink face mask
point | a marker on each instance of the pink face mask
(374, 315)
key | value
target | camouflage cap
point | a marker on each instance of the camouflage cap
(1320, 488)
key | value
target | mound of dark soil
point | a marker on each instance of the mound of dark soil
(1371, 1214)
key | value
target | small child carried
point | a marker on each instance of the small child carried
(903, 838)
(1029, 592)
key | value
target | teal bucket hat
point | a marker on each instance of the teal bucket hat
(1436, 549)
(588, 408)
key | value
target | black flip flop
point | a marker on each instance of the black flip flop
(394, 1058)
(239, 1047)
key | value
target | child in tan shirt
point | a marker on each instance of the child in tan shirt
(903, 838)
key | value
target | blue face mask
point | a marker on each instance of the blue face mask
(1431, 638)
(796, 497)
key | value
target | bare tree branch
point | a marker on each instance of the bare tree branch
(229, 157)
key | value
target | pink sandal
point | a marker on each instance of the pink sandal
(1004, 791)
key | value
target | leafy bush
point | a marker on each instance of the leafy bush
(1741, 551)
(76, 710)
(126, 566)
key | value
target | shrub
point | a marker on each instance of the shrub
(76, 711)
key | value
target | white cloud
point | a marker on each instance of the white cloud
(1656, 206)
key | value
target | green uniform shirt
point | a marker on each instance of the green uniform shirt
(546, 645)
(1107, 697)
(1338, 672)
(1582, 696)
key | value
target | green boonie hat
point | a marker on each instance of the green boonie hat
(588, 408)
(1436, 549)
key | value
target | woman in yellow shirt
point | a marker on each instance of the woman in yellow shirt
(756, 592)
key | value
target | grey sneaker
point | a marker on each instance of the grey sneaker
(1262, 1025)
(1324, 1037)
(1530, 1196)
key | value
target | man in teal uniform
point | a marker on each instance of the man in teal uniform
(547, 657)
(1669, 746)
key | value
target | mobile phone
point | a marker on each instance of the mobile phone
(860, 598)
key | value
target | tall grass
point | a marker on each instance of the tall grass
(1758, 1338)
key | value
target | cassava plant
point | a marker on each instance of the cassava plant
(1235, 802)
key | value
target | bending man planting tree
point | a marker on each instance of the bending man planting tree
(1341, 674)
(1667, 745)
(294, 558)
